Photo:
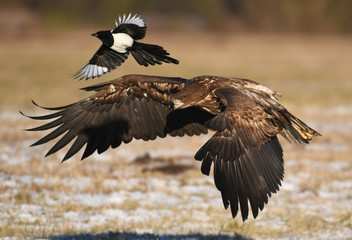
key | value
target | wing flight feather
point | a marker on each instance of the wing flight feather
(119, 111)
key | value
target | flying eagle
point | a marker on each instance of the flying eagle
(245, 151)
(118, 43)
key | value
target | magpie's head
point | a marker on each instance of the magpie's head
(105, 36)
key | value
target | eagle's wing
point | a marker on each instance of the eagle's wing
(247, 156)
(131, 25)
(132, 106)
(103, 61)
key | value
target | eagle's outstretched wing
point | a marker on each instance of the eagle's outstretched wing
(247, 156)
(132, 106)
(248, 162)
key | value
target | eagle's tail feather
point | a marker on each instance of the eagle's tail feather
(297, 130)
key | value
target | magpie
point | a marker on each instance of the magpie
(118, 43)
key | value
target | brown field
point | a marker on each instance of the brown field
(156, 188)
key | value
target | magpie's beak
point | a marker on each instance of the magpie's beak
(94, 34)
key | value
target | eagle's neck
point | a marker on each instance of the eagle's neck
(211, 104)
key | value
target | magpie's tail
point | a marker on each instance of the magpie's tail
(146, 54)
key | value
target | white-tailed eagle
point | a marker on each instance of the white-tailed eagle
(245, 152)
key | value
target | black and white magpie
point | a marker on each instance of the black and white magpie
(118, 43)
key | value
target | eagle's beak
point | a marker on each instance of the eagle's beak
(175, 104)
(171, 105)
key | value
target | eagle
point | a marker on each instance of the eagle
(246, 117)
(118, 43)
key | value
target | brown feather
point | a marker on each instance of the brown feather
(246, 155)
(248, 160)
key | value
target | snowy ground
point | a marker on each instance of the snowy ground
(155, 189)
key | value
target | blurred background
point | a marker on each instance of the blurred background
(21, 17)
(279, 43)
(300, 48)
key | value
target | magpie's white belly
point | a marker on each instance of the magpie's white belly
(121, 42)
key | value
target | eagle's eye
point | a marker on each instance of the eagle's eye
(182, 98)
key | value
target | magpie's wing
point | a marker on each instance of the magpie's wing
(150, 54)
(131, 25)
(103, 61)
(133, 106)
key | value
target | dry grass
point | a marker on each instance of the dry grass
(163, 192)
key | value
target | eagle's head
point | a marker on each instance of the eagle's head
(179, 102)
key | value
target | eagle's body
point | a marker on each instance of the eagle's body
(245, 152)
